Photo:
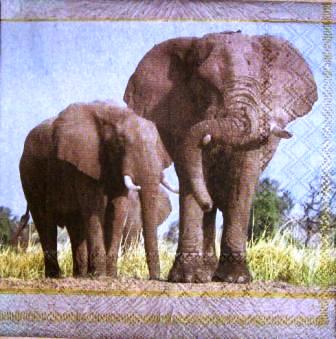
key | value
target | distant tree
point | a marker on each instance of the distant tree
(7, 224)
(270, 209)
(14, 231)
(319, 216)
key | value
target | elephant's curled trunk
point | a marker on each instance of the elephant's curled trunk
(230, 131)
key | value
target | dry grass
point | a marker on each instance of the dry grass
(275, 259)
(281, 259)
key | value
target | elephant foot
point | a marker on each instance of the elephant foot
(153, 263)
(97, 273)
(210, 261)
(232, 268)
(79, 275)
(52, 274)
(112, 272)
(192, 268)
(154, 275)
(97, 263)
(80, 269)
(52, 269)
(97, 270)
(111, 267)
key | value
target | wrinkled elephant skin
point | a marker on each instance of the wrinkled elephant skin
(77, 170)
(221, 104)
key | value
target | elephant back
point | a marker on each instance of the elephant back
(39, 143)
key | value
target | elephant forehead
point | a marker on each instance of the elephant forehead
(140, 133)
(145, 129)
(234, 54)
(229, 38)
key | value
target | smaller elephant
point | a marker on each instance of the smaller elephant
(134, 223)
(77, 170)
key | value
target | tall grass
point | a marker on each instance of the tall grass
(280, 258)
(270, 259)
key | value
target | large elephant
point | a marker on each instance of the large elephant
(77, 170)
(221, 103)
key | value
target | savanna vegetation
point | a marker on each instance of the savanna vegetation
(278, 258)
(7, 224)
(275, 253)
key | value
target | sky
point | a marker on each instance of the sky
(45, 66)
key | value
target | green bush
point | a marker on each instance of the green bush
(269, 209)
(7, 224)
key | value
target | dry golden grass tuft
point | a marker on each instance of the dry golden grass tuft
(281, 259)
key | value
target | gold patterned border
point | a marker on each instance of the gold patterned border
(327, 19)
(321, 21)
(321, 295)
(257, 320)
(329, 116)
(164, 10)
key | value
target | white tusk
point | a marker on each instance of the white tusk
(166, 184)
(280, 132)
(206, 139)
(130, 184)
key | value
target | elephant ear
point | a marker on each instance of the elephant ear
(288, 86)
(77, 139)
(165, 206)
(134, 213)
(156, 76)
(162, 152)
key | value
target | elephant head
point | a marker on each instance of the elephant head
(228, 88)
(93, 137)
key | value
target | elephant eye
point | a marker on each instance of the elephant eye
(199, 62)
(128, 139)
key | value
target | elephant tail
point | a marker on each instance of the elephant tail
(23, 223)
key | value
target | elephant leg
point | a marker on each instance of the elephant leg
(189, 261)
(79, 248)
(92, 202)
(149, 204)
(95, 245)
(47, 231)
(232, 265)
(209, 239)
(115, 223)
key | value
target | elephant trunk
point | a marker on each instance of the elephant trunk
(240, 133)
(149, 194)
